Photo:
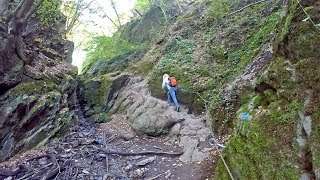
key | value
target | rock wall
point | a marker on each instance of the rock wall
(37, 98)
(276, 131)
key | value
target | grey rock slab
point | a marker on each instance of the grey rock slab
(175, 130)
(127, 136)
(188, 132)
(203, 134)
(198, 155)
(305, 176)
(146, 161)
(189, 144)
(43, 161)
(307, 125)
(317, 173)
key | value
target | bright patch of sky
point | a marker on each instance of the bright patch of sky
(98, 23)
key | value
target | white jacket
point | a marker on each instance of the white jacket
(165, 83)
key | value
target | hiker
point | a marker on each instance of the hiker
(170, 83)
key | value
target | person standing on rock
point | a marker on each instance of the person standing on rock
(170, 83)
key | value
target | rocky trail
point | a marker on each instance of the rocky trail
(115, 150)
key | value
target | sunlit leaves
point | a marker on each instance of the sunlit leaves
(142, 5)
(105, 48)
(49, 12)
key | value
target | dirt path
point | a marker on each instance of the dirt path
(111, 150)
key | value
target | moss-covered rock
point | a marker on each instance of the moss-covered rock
(98, 94)
(269, 146)
(31, 113)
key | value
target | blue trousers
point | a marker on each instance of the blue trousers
(172, 94)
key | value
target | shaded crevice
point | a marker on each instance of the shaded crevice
(116, 86)
(303, 131)
(305, 158)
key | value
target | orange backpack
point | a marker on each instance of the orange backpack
(172, 81)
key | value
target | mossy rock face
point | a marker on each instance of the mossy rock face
(298, 37)
(119, 63)
(267, 144)
(267, 147)
(143, 29)
(98, 94)
(32, 113)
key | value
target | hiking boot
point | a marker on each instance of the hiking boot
(178, 109)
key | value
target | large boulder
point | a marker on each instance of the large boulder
(145, 113)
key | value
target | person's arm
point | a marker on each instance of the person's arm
(163, 84)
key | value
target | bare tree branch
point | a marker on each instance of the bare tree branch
(115, 10)
(105, 14)
(33, 9)
(23, 8)
(76, 15)
(138, 12)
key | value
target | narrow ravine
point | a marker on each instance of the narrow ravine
(114, 150)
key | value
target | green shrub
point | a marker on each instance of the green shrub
(49, 12)
(102, 117)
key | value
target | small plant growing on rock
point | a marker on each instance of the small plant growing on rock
(102, 117)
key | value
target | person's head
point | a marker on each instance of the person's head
(165, 76)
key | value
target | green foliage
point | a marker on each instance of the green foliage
(102, 117)
(219, 9)
(252, 46)
(178, 62)
(258, 148)
(144, 67)
(105, 48)
(49, 12)
(64, 118)
(142, 5)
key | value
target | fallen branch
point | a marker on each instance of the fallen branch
(107, 158)
(39, 157)
(57, 170)
(155, 177)
(107, 152)
(249, 5)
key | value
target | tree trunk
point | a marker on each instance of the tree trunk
(11, 52)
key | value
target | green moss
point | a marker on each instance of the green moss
(144, 67)
(49, 12)
(285, 113)
(28, 88)
(285, 27)
(97, 90)
(255, 150)
(257, 101)
(240, 58)
(101, 117)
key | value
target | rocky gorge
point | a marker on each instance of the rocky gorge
(248, 84)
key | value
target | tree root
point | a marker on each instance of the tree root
(107, 152)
